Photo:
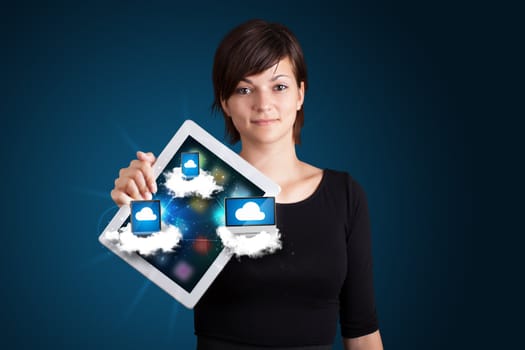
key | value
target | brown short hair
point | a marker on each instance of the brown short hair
(252, 48)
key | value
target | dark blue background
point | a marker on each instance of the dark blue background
(86, 86)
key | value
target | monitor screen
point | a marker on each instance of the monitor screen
(250, 211)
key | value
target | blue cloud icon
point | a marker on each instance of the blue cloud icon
(145, 214)
(190, 164)
(250, 211)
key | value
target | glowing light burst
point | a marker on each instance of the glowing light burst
(181, 224)
(218, 216)
(199, 204)
(201, 245)
(161, 259)
(164, 210)
(172, 213)
(220, 202)
(240, 191)
(220, 175)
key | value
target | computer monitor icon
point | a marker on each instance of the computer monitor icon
(190, 164)
(145, 217)
(249, 214)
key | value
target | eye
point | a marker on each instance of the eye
(280, 87)
(243, 91)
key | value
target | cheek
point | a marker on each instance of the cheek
(288, 104)
(238, 120)
(237, 106)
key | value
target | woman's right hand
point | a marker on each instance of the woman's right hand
(135, 182)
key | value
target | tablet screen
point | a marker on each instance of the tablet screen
(196, 217)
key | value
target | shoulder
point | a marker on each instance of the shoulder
(309, 177)
(352, 197)
(300, 184)
(343, 181)
(343, 178)
(309, 171)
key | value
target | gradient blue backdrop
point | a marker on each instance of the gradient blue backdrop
(86, 86)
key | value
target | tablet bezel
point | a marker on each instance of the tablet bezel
(188, 128)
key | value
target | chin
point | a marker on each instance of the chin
(270, 138)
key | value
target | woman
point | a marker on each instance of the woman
(292, 298)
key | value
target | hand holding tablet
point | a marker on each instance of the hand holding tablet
(192, 196)
(137, 181)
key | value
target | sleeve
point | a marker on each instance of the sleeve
(357, 305)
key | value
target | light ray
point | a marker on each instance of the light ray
(90, 192)
(135, 301)
(113, 208)
(173, 319)
(97, 260)
(131, 143)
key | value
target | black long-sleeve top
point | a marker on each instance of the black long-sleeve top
(295, 296)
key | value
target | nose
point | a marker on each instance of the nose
(262, 101)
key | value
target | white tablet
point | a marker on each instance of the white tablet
(187, 271)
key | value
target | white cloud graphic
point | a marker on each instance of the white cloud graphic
(190, 164)
(254, 246)
(249, 211)
(145, 214)
(203, 185)
(166, 240)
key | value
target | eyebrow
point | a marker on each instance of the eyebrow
(274, 78)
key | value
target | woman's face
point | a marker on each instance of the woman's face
(263, 107)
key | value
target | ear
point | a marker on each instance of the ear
(300, 99)
(224, 105)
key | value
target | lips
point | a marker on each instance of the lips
(264, 121)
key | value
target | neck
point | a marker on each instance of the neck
(278, 160)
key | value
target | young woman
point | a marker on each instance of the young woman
(293, 298)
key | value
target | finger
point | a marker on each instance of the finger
(120, 198)
(149, 177)
(127, 185)
(147, 171)
(138, 164)
(133, 191)
(142, 174)
(138, 176)
(146, 157)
